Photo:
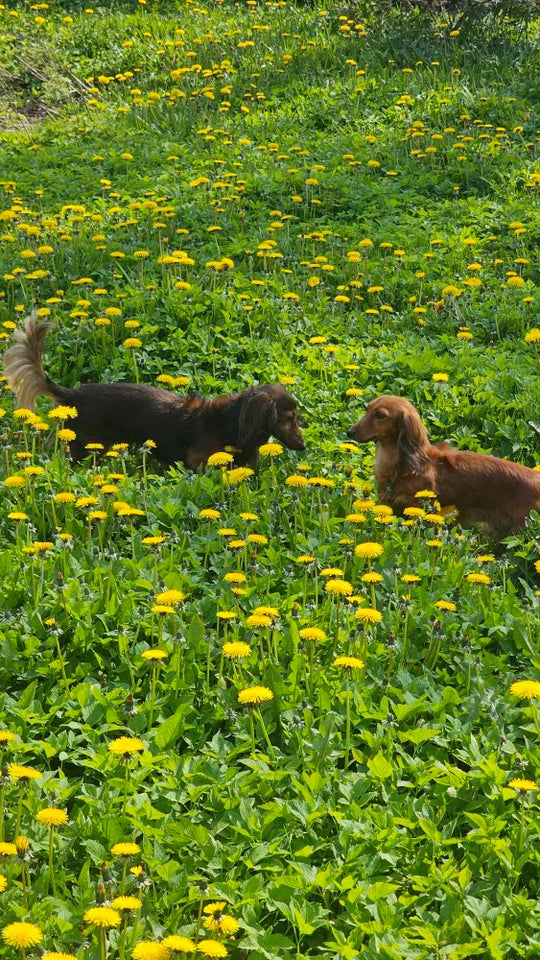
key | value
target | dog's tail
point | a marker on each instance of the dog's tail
(23, 367)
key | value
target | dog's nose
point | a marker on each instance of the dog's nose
(350, 432)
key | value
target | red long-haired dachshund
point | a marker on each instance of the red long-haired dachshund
(187, 429)
(485, 490)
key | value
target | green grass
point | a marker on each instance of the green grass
(239, 180)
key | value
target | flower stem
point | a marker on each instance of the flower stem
(265, 734)
(61, 661)
(199, 918)
(347, 725)
(102, 944)
(51, 863)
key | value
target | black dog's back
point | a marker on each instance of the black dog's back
(188, 429)
(131, 413)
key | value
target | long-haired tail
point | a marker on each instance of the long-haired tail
(22, 363)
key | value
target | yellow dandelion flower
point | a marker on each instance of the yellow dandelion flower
(179, 944)
(22, 935)
(8, 849)
(104, 917)
(369, 550)
(62, 413)
(154, 541)
(54, 955)
(258, 620)
(3, 882)
(86, 502)
(219, 922)
(362, 504)
(150, 950)
(125, 849)
(519, 784)
(340, 588)
(238, 475)
(154, 654)
(65, 497)
(212, 948)
(368, 615)
(270, 449)
(321, 482)
(17, 772)
(312, 633)
(170, 597)
(6, 736)
(126, 903)
(52, 817)
(97, 515)
(527, 689)
(414, 512)
(436, 518)
(266, 611)
(126, 746)
(220, 459)
(446, 605)
(209, 514)
(235, 577)
(14, 481)
(22, 843)
(481, 578)
(371, 577)
(236, 650)
(297, 480)
(349, 663)
(253, 696)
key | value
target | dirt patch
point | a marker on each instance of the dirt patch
(17, 116)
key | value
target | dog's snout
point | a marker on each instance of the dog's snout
(350, 432)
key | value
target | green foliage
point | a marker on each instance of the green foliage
(349, 203)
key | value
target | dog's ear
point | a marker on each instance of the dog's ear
(411, 440)
(258, 417)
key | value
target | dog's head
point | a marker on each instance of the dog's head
(392, 421)
(269, 410)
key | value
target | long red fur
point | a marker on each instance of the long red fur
(485, 490)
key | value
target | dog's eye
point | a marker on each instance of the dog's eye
(379, 415)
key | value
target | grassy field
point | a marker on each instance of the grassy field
(258, 716)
